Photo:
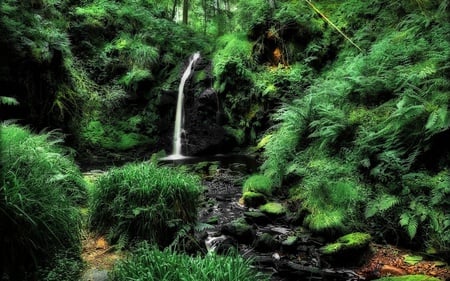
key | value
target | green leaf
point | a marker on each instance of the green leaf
(412, 260)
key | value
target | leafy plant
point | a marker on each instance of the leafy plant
(144, 202)
(39, 187)
(152, 264)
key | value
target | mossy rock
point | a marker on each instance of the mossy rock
(265, 243)
(273, 209)
(253, 199)
(256, 217)
(347, 250)
(240, 230)
(418, 277)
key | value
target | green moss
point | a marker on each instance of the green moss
(353, 241)
(253, 199)
(258, 183)
(409, 278)
(273, 208)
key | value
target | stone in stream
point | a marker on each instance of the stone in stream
(348, 250)
(265, 243)
(273, 209)
(240, 230)
(253, 199)
(256, 217)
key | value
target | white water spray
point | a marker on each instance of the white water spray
(178, 130)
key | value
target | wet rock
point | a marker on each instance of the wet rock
(289, 245)
(213, 220)
(303, 272)
(348, 250)
(253, 199)
(239, 229)
(256, 217)
(265, 243)
(228, 245)
(273, 209)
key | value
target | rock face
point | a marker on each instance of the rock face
(203, 133)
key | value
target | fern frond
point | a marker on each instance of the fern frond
(381, 204)
(8, 100)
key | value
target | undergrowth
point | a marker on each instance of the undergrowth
(40, 187)
(141, 201)
(380, 116)
(147, 263)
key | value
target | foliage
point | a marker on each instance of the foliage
(39, 59)
(282, 146)
(152, 264)
(145, 202)
(380, 116)
(8, 100)
(39, 187)
(135, 49)
(120, 135)
(331, 194)
(63, 267)
(258, 183)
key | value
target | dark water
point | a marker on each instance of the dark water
(244, 162)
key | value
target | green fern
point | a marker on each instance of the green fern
(8, 100)
(381, 204)
(409, 222)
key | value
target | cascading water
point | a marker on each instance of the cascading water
(178, 130)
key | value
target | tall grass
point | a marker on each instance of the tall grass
(152, 264)
(39, 186)
(143, 201)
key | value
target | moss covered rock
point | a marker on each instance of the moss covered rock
(253, 199)
(418, 277)
(274, 209)
(348, 249)
(240, 230)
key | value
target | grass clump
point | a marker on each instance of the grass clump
(147, 263)
(144, 202)
(38, 191)
(258, 183)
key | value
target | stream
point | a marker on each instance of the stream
(278, 258)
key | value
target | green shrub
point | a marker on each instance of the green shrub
(151, 264)
(258, 183)
(39, 187)
(143, 201)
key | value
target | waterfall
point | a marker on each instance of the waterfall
(178, 129)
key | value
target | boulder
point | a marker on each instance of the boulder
(273, 209)
(348, 250)
(265, 243)
(253, 199)
(240, 230)
(256, 217)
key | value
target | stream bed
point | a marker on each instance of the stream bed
(267, 243)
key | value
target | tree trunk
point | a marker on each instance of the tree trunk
(174, 8)
(185, 11)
